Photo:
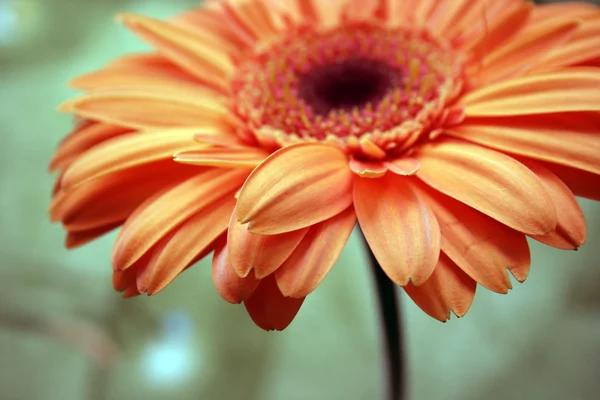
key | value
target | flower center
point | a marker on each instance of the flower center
(372, 91)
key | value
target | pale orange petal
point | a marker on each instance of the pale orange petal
(177, 251)
(490, 182)
(581, 183)
(447, 289)
(571, 139)
(404, 166)
(223, 157)
(295, 187)
(154, 220)
(524, 51)
(308, 265)
(574, 89)
(82, 139)
(230, 286)
(262, 253)
(478, 19)
(199, 58)
(571, 229)
(400, 229)
(150, 109)
(127, 151)
(562, 10)
(480, 246)
(269, 309)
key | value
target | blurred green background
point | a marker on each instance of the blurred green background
(65, 335)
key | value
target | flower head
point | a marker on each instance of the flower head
(262, 131)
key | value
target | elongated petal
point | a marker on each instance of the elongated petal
(76, 239)
(115, 196)
(563, 10)
(571, 229)
(183, 48)
(178, 250)
(490, 182)
(308, 265)
(296, 187)
(400, 229)
(480, 246)
(127, 151)
(581, 183)
(146, 227)
(574, 89)
(223, 157)
(269, 309)
(571, 139)
(230, 286)
(447, 289)
(262, 253)
(150, 110)
(82, 139)
(524, 51)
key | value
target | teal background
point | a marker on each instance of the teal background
(65, 335)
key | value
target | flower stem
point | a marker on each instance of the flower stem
(391, 325)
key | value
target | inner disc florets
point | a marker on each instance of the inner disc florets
(374, 91)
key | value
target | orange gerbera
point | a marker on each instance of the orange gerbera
(451, 130)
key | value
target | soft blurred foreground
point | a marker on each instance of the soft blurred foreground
(64, 333)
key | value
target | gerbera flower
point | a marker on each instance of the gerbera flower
(261, 131)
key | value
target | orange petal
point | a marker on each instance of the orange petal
(574, 89)
(448, 14)
(115, 196)
(306, 268)
(263, 253)
(571, 138)
(148, 110)
(79, 238)
(557, 11)
(400, 229)
(223, 157)
(367, 169)
(204, 61)
(230, 286)
(581, 183)
(177, 251)
(269, 309)
(154, 220)
(297, 186)
(254, 17)
(447, 289)
(480, 246)
(583, 45)
(490, 182)
(82, 139)
(403, 166)
(571, 229)
(127, 151)
(524, 51)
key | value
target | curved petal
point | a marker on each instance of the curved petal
(151, 109)
(127, 151)
(571, 231)
(367, 169)
(82, 139)
(188, 51)
(570, 139)
(306, 268)
(269, 309)
(581, 183)
(447, 289)
(223, 157)
(573, 89)
(179, 250)
(557, 11)
(297, 186)
(263, 253)
(154, 220)
(480, 246)
(400, 229)
(490, 182)
(75, 239)
(230, 286)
